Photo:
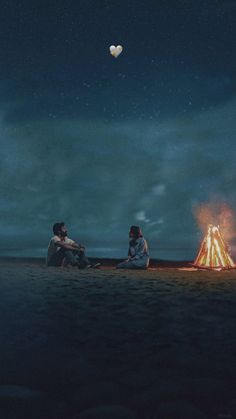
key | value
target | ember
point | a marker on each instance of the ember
(214, 252)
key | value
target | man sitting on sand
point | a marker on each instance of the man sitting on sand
(138, 256)
(62, 250)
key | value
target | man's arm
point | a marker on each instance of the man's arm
(77, 246)
(64, 245)
(73, 245)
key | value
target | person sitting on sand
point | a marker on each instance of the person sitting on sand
(138, 256)
(62, 250)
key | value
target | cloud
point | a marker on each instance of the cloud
(141, 216)
(159, 190)
(99, 177)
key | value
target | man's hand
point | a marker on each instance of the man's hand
(79, 247)
(82, 247)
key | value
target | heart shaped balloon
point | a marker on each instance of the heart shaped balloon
(116, 51)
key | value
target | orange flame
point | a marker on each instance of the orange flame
(214, 252)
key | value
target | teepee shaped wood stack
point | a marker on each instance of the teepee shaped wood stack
(214, 253)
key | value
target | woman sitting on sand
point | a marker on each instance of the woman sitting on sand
(138, 256)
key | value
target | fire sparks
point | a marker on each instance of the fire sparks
(218, 214)
(214, 252)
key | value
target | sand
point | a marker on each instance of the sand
(101, 344)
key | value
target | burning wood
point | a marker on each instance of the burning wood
(214, 252)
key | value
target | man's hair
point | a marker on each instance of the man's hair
(57, 227)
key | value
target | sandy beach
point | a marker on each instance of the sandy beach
(102, 344)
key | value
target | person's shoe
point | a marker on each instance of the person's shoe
(92, 266)
(96, 265)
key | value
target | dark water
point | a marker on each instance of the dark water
(177, 254)
(134, 345)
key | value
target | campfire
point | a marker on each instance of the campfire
(214, 252)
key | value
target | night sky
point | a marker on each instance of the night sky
(102, 142)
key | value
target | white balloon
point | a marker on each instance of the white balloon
(116, 51)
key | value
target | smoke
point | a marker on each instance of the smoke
(219, 214)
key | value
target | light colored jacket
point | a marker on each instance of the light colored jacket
(139, 250)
